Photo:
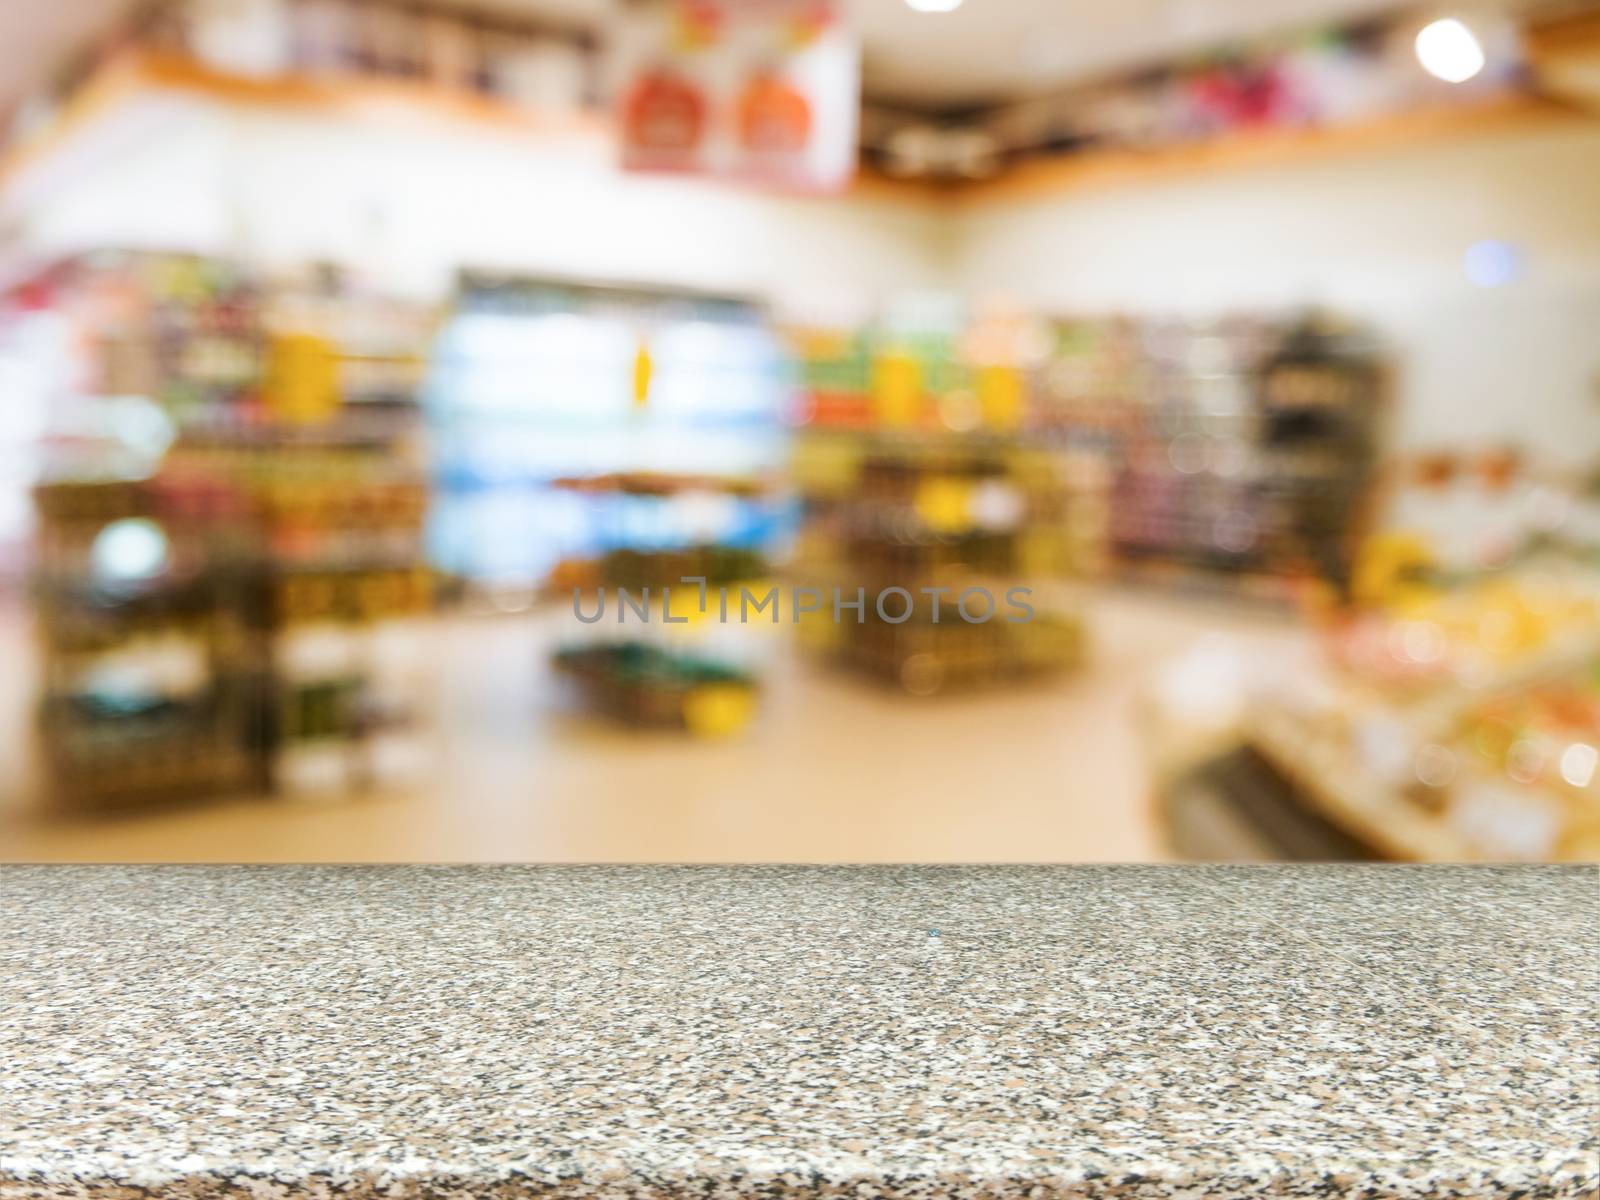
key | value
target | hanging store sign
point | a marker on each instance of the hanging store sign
(762, 90)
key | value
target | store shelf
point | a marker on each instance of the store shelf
(1565, 57)
(1332, 778)
(353, 96)
(661, 484)
(1341, 790)
(137, 74)
(1511, 112)
(145, 74)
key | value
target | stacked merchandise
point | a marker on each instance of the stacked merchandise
(1458, 715)
(661, 676)
(287, 493)
(148, 690)
(340, 495)
(921, 490)
(338, 588)
(629, 558)
(1237, 452)
(591, 439)
(1233, 454)
(647, 685)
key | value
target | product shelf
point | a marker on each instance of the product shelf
(272, 510)
(1506, 112)
(144, 79)
(1316, 752)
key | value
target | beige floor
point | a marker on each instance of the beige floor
(834, 770)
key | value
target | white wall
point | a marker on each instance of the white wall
(1381, 237)
(414, 205)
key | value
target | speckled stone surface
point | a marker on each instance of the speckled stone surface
(983, 1033)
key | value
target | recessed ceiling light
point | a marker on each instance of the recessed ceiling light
(1492, 264)
(931, 6)
(1449, 50)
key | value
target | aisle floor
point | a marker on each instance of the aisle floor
(834, 769)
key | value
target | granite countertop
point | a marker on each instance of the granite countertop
(782, 1032)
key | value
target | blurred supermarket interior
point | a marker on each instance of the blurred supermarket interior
(354, 353)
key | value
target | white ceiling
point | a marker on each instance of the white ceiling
(985, 49)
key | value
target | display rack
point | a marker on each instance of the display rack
(1232, 456)
(1475, 809)
(593, 438)
(270, 543)
(1454, 725)
(659, 676)
(913, 475)
(1237, 453)
(1448, 710)
(148, 686)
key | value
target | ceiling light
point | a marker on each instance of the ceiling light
(1492, 264)
(1450, 51)
(934, 5)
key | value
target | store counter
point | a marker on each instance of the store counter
(787, 1032)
